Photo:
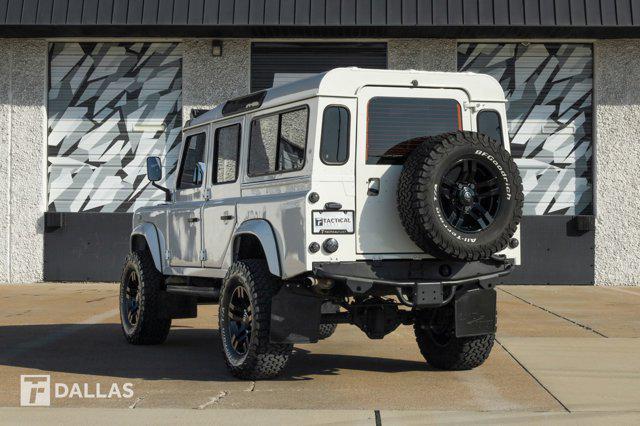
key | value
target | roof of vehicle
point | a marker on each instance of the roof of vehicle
(345, 82)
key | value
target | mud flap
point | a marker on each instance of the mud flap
(295, 316)
(175, 306)
(476, 313)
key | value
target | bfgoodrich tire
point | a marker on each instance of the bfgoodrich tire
(244, 318)
(140, 305)
(460, 196)
(440, 347)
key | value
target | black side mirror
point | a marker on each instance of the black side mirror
(154, 174)
(154, 169)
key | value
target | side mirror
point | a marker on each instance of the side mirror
(154, 169)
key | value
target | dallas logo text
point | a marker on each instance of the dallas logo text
(37, 390)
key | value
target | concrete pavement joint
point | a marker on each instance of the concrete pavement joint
(213, 400)
(532, 376)
(586, 327)
(136, 402)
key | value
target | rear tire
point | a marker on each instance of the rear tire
(443, 350)
(140, 301)
(244, 321)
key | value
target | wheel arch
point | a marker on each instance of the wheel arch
(257, 232)
(147, 236)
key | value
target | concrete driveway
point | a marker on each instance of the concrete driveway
(562, 353)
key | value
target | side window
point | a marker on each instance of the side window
(277, 142)
(193, 166)
(262, 146)
(334, 142)
(293, 138)
(489, 124)
(393, 123)
(227, 148)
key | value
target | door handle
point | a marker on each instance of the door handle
(193, 220)
(226, 217)
(373, 187)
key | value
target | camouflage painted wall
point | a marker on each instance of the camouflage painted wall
(111, 105)
(550, 89)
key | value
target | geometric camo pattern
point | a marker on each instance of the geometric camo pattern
(110, 105)
(549, 87)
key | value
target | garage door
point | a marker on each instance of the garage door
(110, 106)
(549, 87)
(273, 64)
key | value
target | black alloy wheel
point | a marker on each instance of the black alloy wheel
(470, 195)
(132, 299)
(240, 320)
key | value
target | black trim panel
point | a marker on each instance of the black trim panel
(555, 250)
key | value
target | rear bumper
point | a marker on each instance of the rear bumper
(419, 283)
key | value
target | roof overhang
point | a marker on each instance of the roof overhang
(505, 19)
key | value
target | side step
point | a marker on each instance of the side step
(188, 290)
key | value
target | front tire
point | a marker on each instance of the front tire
(435, 335)
(244, 321)
(140, 304)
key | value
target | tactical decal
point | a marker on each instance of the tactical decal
(549, 87)
(110, 106)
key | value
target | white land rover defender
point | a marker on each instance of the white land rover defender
(368, 197)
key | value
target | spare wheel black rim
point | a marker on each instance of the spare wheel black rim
(240, 316)
(131, 299)
(470, 195)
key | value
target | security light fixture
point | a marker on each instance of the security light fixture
(216, 48)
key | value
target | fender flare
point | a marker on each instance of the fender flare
(154, 241)
(261, 229)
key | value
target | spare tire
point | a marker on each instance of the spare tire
(460, 196)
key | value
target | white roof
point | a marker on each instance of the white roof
(345, 82)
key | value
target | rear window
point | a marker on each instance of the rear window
(489, 124)
(334, 145)
(393, 123)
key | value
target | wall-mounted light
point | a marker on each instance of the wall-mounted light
(216, 48)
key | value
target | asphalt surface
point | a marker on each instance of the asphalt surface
(560, 352)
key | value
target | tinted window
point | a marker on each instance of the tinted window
(226, 155)
(193, 165)
(489, 124)
(277, 143)
(394, 122)
(293, 137)
(334, 145)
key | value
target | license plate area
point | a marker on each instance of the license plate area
(332, 222)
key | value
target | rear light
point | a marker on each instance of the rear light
(330, 245)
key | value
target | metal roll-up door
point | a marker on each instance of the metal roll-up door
(274, 64)
(110, 105)
(549, 88)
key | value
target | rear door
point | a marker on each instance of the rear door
(219, 212)
(388, 118)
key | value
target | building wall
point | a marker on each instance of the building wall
(23, 79)
(422, 54)
(617, 161)
(209, 80)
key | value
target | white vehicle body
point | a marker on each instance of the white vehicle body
(198, 232)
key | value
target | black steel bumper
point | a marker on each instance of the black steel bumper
(427, 278)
